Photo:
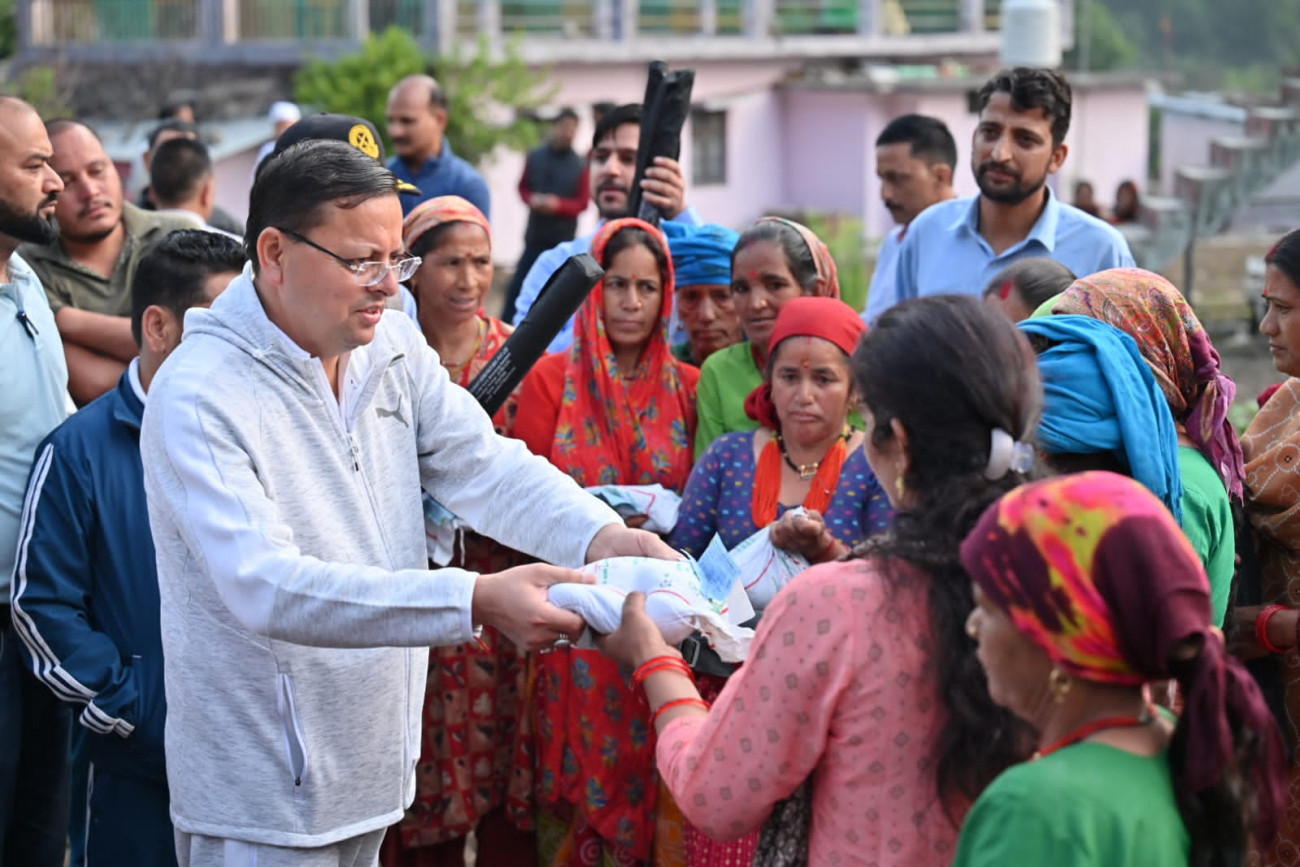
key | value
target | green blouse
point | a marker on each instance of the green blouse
(726, 379)
(1088, 805)
(1207, 523)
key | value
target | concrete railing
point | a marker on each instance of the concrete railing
(1205, 198)
(546, 30)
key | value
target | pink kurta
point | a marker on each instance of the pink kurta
(836, 684)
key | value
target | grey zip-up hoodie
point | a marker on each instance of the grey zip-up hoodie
(291, 564)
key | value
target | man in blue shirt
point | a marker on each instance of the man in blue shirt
(916, 158)
(960, 245)
(612, 168)
(85, 595)
(417, 124)
(34, 725)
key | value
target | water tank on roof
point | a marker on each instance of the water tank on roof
(1031, 33)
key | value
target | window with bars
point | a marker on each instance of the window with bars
(708, 147)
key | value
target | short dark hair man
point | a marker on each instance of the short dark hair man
(183, 181)
(171, 130)
(86, 590)
(915, 160)
(87, 274)
(417, 125)
(554, 187)
(611, 169)
(286, 444)
(34, 768)
(960, 245)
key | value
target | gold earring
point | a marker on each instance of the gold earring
(972, 630)
(1059, 684)
(900, 487)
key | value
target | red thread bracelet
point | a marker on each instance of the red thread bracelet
(678, 702)
(1261, 628)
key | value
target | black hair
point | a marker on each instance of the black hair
(182, 126)
(1129, 212)
(59, 125)
(950, 370)
(635, 236)
(1033, 87)
(929, 137)
(1036, 280)
(616, 117)
(566, 113)
(1285, 256)
(293, 190)
(798, 257)
(178, 170)
(173, 107)
(174, 271)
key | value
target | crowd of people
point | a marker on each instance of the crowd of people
(1048, 606)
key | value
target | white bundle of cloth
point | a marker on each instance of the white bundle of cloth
(658, 504)
(764, 568)
(676, 600)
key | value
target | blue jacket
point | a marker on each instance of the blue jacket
(85, 593)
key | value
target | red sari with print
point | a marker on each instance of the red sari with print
(596, 779)
(474, 731)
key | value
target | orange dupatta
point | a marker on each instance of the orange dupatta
(615, 432)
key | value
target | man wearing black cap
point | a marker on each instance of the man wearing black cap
(356, 131)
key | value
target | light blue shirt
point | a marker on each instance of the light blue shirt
(883, 293)
(550, 261)
(33, 400)
(944, 252)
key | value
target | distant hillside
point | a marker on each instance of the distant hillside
(1235, 44)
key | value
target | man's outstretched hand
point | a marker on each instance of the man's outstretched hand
(618, 540)
(514, 601)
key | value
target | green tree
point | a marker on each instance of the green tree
(489, 100)
(8, 29)
(1109, 47)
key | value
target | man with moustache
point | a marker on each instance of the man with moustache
(612, 166)
(417, 124)
(87, 274)
(34, 725)
(958, 246)
(915, 161)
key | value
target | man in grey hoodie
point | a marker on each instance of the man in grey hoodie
(285, 446)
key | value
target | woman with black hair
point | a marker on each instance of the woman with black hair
(861, 675)
(1270, 446)
(1024, 286)
(774, 260)
(1070, 639)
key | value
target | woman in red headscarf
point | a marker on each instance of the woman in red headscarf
(616, 409)
(805, 453)
(469, 776)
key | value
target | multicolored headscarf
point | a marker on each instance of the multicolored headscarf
(438, 211)
(701, 254)
(827, 273)
(1175, 345)
(1093, 570)
(624, 427)
(1100, 396)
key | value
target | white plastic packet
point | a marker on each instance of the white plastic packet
(657, 503)
(764, 568)
(675, 601)
(443, 531)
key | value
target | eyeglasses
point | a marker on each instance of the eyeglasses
(365, 273)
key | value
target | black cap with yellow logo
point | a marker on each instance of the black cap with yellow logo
(356, 131)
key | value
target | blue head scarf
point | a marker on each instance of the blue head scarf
(701, 254)
(1099, 396)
